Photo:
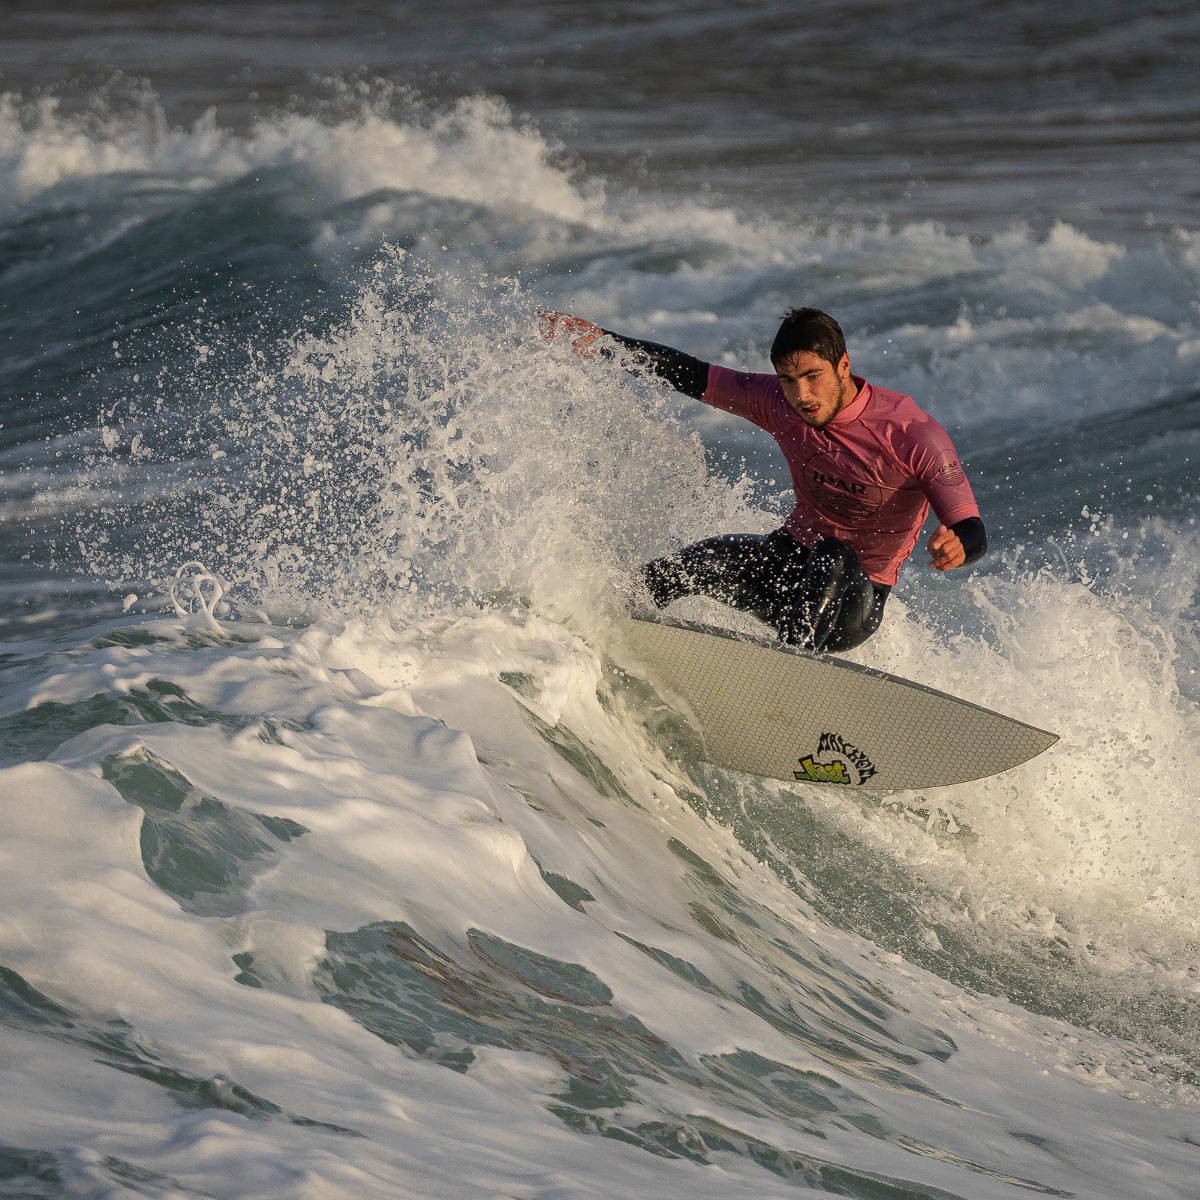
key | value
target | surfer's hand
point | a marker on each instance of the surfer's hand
(945, 550)
(584, 334)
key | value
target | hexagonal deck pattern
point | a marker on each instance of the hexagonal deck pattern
(772, 710)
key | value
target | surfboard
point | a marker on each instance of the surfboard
(768, 709)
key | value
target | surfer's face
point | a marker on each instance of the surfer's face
(815, 388)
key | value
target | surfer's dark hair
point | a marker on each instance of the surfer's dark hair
(812, 330)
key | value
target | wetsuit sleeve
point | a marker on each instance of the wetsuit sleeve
(683, 372)
(973, 536)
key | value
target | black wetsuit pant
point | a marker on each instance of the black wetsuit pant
(818, 598)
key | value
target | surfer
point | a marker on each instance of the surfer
(866, 465)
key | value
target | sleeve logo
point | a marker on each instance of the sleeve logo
(949, 472)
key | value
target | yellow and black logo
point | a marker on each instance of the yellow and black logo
(848, 764)
(812, 771)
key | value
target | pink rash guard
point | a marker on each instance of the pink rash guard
(868, 478)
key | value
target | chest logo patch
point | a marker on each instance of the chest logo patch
(837, 487)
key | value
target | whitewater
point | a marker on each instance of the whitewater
(340, 857)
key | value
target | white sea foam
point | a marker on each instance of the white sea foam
(462, 827)
(1098, 831)
(441, 754)
(474, 152)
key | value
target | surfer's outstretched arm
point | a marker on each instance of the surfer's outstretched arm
(683, 372)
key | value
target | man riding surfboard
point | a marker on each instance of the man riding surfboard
(866, 465)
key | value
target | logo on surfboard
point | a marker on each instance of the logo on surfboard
(848, 764)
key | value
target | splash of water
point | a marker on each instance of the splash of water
(429, 448)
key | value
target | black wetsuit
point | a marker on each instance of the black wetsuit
(818, 598)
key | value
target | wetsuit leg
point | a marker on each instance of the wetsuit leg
(861, 617)
(819, 599)
(739, 569)
(832, 605)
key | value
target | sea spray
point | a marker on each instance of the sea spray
(429, 449)
(1068, 883)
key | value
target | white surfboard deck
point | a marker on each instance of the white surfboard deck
(769, 709)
